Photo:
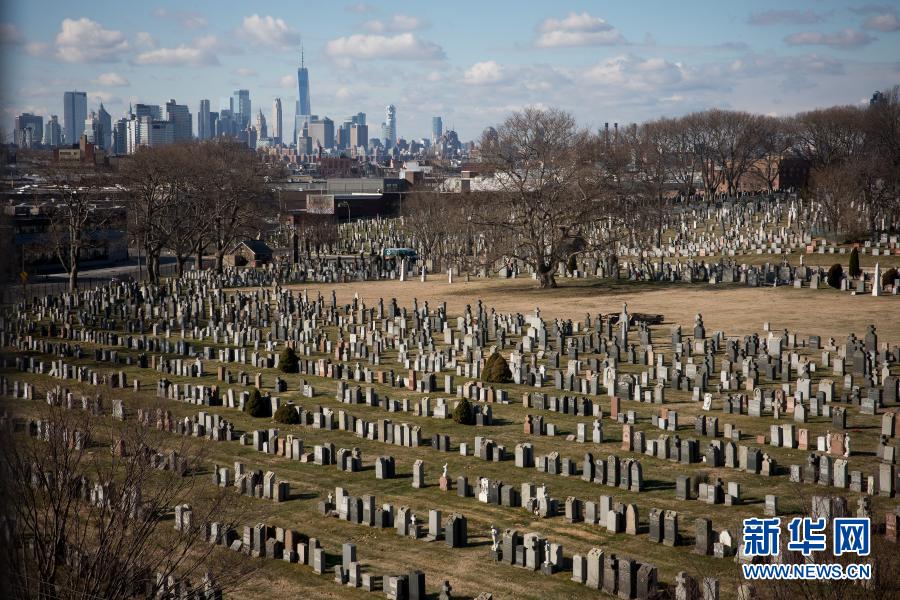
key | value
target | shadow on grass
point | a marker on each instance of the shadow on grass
(302, 496)
(658, 484)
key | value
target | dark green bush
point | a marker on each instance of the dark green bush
(257, 406)
(462, 413)
(288, 362)
(854, 269)
(496, 369)
(287, 414)
(835, 274)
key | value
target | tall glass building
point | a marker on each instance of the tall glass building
(437, 129)
(303, 110)
(390, 126)
(241, 107)
(74, 115)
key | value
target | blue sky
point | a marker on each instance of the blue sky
(471, 62)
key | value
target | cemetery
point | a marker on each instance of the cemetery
(418, 432)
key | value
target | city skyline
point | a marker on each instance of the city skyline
(602, 63)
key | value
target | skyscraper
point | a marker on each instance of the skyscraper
(241, 107)
(437, 129)
(156, 133)
(133, 134)
(321, 131)
(225, 124)
(213, 123)
(342, 134)
(182, 124)
(390, 127)
(359, 135)
(93, 130)
(204, 129)
(276, 120)
(53, 132)
(105, 121)
(74, 114)
(303, 110)
(303, 87)
(147, 110)
(120, 137)
(262, 130)
(28, 122)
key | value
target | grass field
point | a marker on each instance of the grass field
(737, 311)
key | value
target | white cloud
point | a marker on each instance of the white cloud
(10, 35)
(186, 18)
(361, 8)
(844, 39)
(86, 41)
(395, 24)
(244, 72)
(886, 22)
(145, 40)
(268, 31)
(111, 80)
(403, 46)
(785, 17)
(105, 97)
(638, 74)
(343, 93)
(483, 72)
(287, 81)
(577, 29)
(200, 53)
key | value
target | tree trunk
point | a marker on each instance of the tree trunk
(179, 265)
(73, 269)
(220, 262)
(153, 267)
(198, 266)
(546, 277)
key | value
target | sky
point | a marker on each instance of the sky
(473, 63)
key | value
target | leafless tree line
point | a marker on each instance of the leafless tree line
(552, 189)
(195, 198)
(188, 199)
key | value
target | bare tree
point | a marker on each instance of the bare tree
(544, 186)
(151, 197)
(86, 522)
(878, 163)
(655, 153)
(828, 136)
(734, 138)
(236, 205)
(775, 139)
(425, 221)
(834, 188)
(683, 164)
(186, 224)
(621, 162)
(703, 147)
(79, 211)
